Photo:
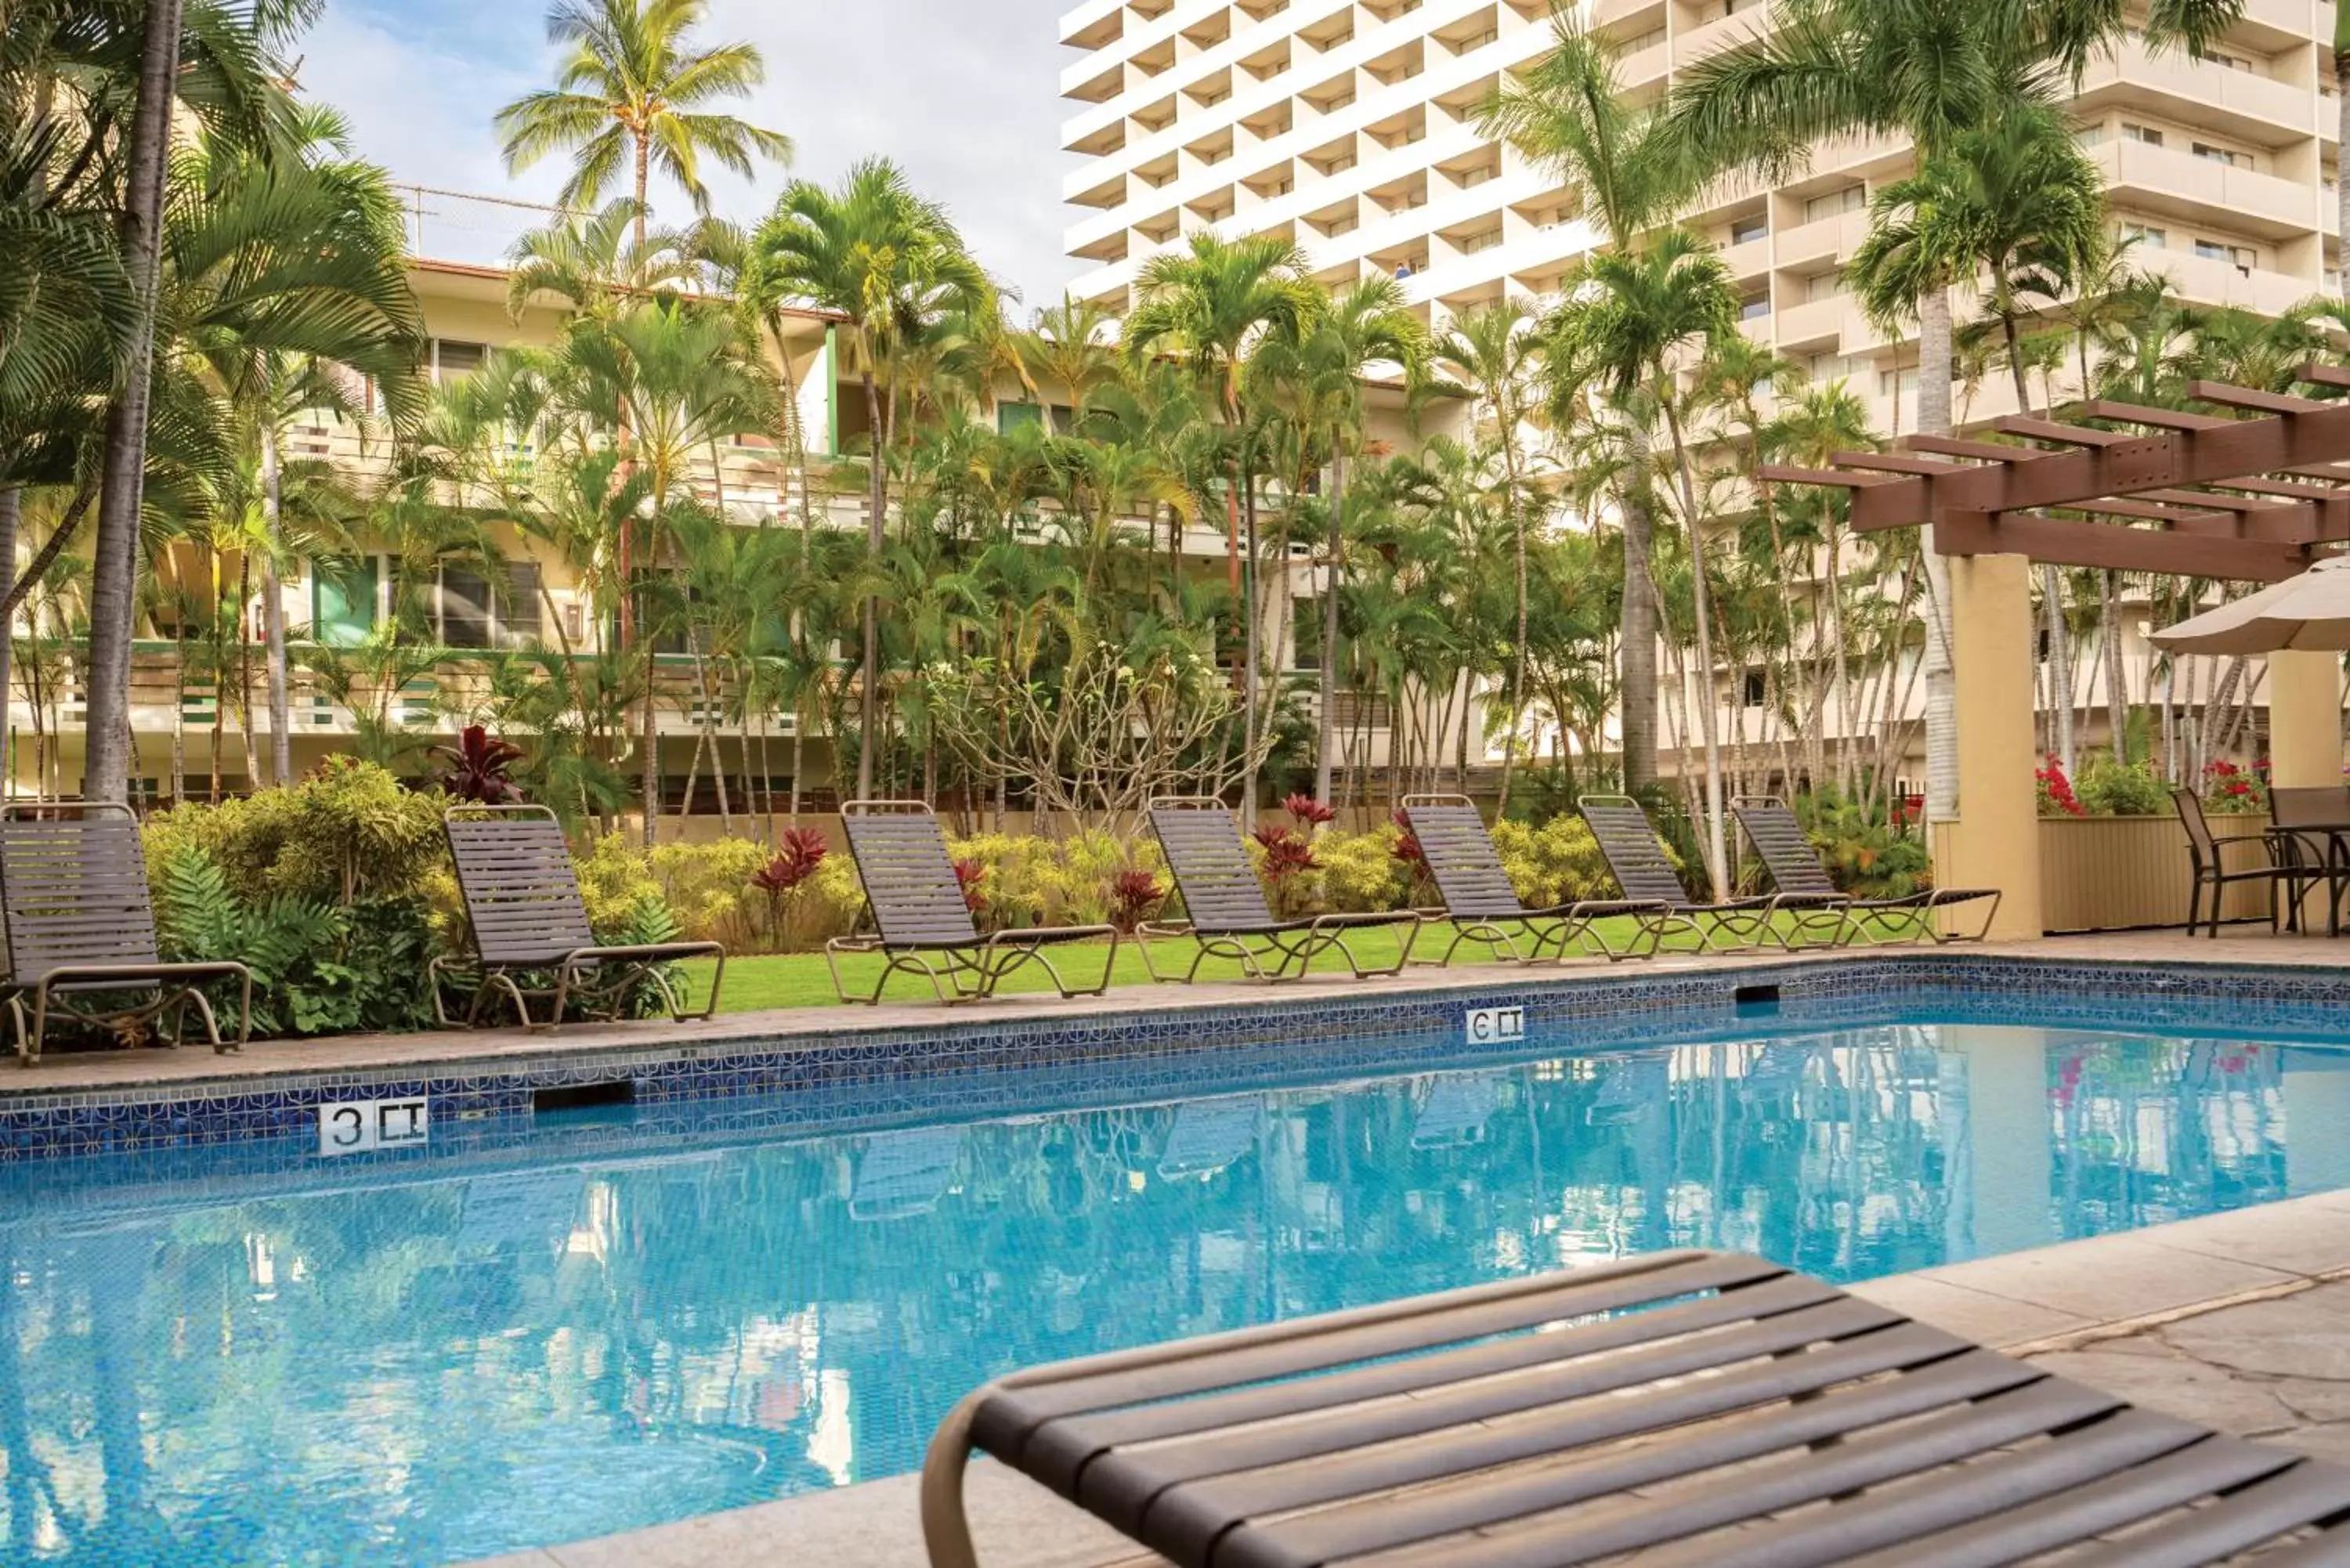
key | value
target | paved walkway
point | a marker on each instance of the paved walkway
(2236, 1321)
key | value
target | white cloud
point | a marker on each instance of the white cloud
(961, 93)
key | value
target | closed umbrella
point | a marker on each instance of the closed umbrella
(2310, 612)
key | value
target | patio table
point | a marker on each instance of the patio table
(2287, 842)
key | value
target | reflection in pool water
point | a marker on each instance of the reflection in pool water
(414, 1363)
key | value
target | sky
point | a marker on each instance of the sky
(961, 93)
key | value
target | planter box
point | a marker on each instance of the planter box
(2122, 873)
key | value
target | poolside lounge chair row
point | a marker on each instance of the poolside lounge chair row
(924, 926)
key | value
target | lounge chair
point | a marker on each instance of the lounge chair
(530, 928)
(922, 923)
(1485, 908)
(81, 930)
(1637, 855)
(1226, 910)
(1794, 866)
(1676, 1409)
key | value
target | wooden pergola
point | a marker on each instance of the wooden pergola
(2252, 486)
(2218, 495)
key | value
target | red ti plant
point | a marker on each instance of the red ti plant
(477, 769)
(1308, 813)
(1288, 856)
(1408, 851)
(798, 853)
(969, 875)
(1132, 895)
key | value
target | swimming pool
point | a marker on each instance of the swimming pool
(623, 1317)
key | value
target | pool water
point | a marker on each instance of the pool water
(430, 1360)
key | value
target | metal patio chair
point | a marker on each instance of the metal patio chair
(1227, 913)
(1637, 855)
(2207, 856)
(924, 924)
(1484, 908)
(81, 930)
(1676, 1409)
(1795, 865)
(532, 941)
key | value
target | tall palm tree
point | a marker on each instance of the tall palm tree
(632, 90)
(1932, 71)
(891, 263)
(1214, 304)
(1624, 174)
(1629, 318)
(1369, 324)
(1491, 351)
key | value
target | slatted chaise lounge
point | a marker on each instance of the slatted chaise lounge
(81, 930)
(1637, 855)
(1677, 1409)
(921, 921)
(1485, 908)
(530, 926)
(1226, 910)
(1794, 866)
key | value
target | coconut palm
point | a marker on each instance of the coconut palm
(632, 91)
(891, 263)
(1214, 304)
(1624, 173)
(1627, 317)
(1931, 71)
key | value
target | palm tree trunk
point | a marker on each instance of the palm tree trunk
(870, 698)
(115, 570)
(2060, 665)
(11, 515)
(1329, 674)
(1253, 586)
(1637, 651)
(2117, 684)
(1717, 816)
(1941, 682)
(2342, 108)
(273, 610)
(244, 675)
(1516, 504)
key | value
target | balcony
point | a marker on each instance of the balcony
(1823, 240)
(2243, 104)
(2208, 281)
(1699, 42)
(2168, 180)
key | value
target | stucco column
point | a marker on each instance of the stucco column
(1995, 840)
(2305, 719)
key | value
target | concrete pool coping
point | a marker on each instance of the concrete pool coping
(2239, 948)
(2238, 1320)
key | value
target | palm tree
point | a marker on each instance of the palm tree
(891, 263)
(1370, 324)
(1624, 174)
(1214, 304)
(1492, 351)
(632, 90)
(1627, 317)
(1932, 71)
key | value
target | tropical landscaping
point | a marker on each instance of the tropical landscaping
(1525, 552)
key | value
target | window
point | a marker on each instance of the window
(2235, 62)
(518, 608)
(1734, 7)
(342, 599)
(1010, 417)
(465, 616)
(1901, 385)
(1755, 305)
(1836, 204)
(1754, 226)
(1758, 688)
(2096, 133)
(2145, 133)
(1823, 285)
(2152, 238)
(2227, 155)
(452, 360)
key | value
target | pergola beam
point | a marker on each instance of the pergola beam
(2121, 549)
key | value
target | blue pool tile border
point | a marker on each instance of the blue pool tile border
(969, 1063)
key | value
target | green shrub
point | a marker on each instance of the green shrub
(1556, 863)
(1866, 857)
(346, 831)
(1359, 871)
(318, 967)
(708, 890)
(2108, 788)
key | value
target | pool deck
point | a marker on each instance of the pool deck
(127, 1070)
(2238, 1320)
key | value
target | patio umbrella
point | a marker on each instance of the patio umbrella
(2309, 612)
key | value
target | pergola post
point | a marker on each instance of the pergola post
(2305, 719)
(1995, 841)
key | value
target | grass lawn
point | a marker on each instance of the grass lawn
(756, 983)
